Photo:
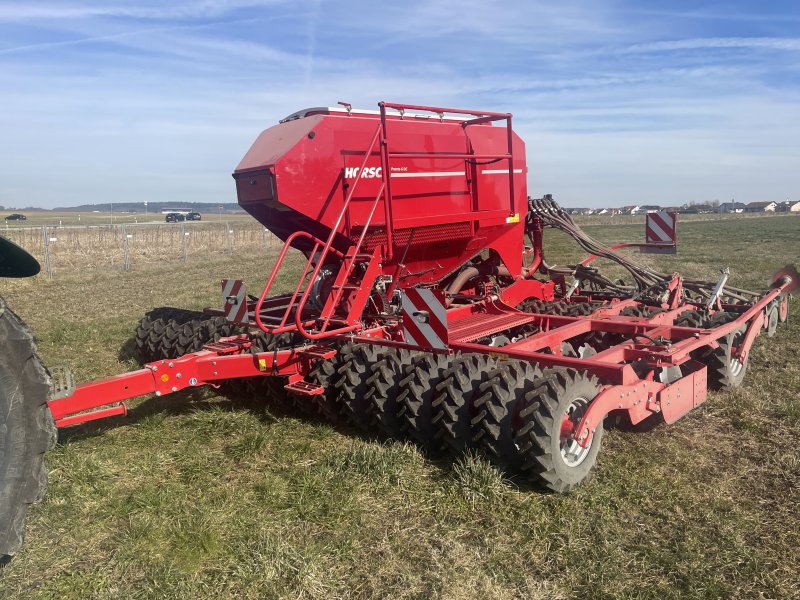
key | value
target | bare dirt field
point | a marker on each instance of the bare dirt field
(204, 496)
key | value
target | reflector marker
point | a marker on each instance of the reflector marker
(660, 227)
(234, 300)
(424, 318)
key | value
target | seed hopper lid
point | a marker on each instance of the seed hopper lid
(16, 262)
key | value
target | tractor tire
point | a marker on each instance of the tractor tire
(456, 420)
(499, 402)
(27, 429)
(560, 396)
(353, 385)
(724, 371)
(384, 389)
(420, 386)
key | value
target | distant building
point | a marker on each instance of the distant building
(760, 207)
(732, 207)
(645, 209)
(789, 206)
(630, 209)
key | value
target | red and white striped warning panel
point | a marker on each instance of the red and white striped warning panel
(424, 318)
(234, 300)
(660, 227)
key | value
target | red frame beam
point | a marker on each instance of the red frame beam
(168, 376)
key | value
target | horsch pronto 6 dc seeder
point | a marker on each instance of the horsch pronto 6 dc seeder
(419, 303)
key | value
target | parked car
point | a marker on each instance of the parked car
(174, 217)
(193, 216)
(16, 217)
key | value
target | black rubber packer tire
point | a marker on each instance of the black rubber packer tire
(456, 419)
(532, 305)
(421, 384)
(328, 373)
(27, 429)
(169, 332)
(353, 385)
(384, 390)
(538, 434)
(272, 388)
(721, 318)
(498, 404)
(153, 327)
(580, 309)
(690, 318)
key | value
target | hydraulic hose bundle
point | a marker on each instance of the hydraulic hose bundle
(646, 280)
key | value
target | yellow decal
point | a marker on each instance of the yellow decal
(513, 218)
(262, 364)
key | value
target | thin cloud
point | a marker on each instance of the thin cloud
(150, 100)
(111, 37)
(792, 44)
(27, 11)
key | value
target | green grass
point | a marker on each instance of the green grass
(199, 496)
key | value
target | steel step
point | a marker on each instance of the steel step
(317, 351)
(304, 388)
(229, 346)
(62, 382)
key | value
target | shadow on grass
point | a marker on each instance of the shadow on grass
(128, 351)
(239, 395)
(254, 396)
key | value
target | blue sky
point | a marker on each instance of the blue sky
(620, 102)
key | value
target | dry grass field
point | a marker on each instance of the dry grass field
(71, 248)
(202, 496)
(37, 218)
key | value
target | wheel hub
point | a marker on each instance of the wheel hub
(572, 453)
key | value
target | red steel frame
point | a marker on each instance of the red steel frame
(230, 359)
(623, 390)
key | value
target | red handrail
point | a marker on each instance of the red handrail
(327, 248)
(278, 263)
(480, 118)
(337, 295)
